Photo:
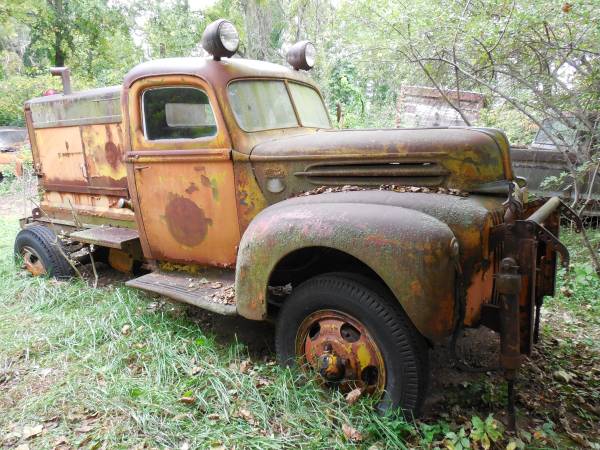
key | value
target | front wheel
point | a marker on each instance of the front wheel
(354, 336)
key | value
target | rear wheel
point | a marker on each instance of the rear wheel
(354, 336)
(40, 249)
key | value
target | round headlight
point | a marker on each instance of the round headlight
(220, 39)
(229, 36)
(310, 54)
(302, 55)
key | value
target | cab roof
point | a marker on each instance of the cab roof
(215, 72)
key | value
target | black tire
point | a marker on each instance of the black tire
(43, 242)
(403, 349)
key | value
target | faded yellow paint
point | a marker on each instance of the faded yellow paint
(182, 220)
(61, 155)
(363, 355)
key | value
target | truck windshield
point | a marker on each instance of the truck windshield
(265, 105)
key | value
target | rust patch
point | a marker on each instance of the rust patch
(113, 155)
(186, 221)
(341, 349)
(205, 181)
(192, 188)
(111, 150)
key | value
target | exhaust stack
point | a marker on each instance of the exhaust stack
(65, 75)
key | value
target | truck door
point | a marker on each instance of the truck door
(180, 172)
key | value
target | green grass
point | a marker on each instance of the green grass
(116, 358)
(108, 367)
(578, 290)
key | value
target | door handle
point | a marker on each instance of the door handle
(141, 167)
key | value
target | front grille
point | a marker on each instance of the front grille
(423, 173)
(496, 250)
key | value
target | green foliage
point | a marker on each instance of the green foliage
(15, 90)
(457, 440)
(518, 129)
(486, 432)
(173, 29)
(578, 289)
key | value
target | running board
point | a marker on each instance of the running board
(211, 289)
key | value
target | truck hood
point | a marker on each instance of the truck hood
(455, 158)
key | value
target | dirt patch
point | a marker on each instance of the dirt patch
(15, 195)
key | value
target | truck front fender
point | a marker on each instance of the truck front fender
(410, 251)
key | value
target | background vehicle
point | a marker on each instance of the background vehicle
(543, 164)
(11, 139)
(366, 246)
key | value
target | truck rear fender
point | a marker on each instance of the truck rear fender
(411, 252)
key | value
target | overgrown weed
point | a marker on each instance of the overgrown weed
(113, 368)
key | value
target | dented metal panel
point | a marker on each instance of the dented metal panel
(406, 248)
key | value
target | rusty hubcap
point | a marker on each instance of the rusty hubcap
(32, 261)
(342, 351)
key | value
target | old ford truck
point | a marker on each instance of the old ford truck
(221, 182)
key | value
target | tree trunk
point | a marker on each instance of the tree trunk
(59, 54)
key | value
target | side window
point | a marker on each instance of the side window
(177, 113)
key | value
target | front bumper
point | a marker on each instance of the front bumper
(527, 273)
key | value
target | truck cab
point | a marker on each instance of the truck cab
(222, 180)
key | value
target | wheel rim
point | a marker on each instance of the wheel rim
(32, 261)
(342, 351)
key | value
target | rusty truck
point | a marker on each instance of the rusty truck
(220, 182)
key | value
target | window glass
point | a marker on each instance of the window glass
(177, 113)
(310, 107)
(261, 105)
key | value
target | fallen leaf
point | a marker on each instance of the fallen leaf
(12, 436)
(216, 285)
(351, 433)
(45, 372)
(247, 416)
(61, 440)
(353, 396)
(217, 446)
(566, 291)
(245, 365)
(196, 370)
(23, 447)
(29, 432)
(188, 400)
(563, 375)
(262, 382)
(84, 429)
(126, 329)
(213, 416)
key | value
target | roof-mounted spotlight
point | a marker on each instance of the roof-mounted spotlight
(220, 39)
(302, 55)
